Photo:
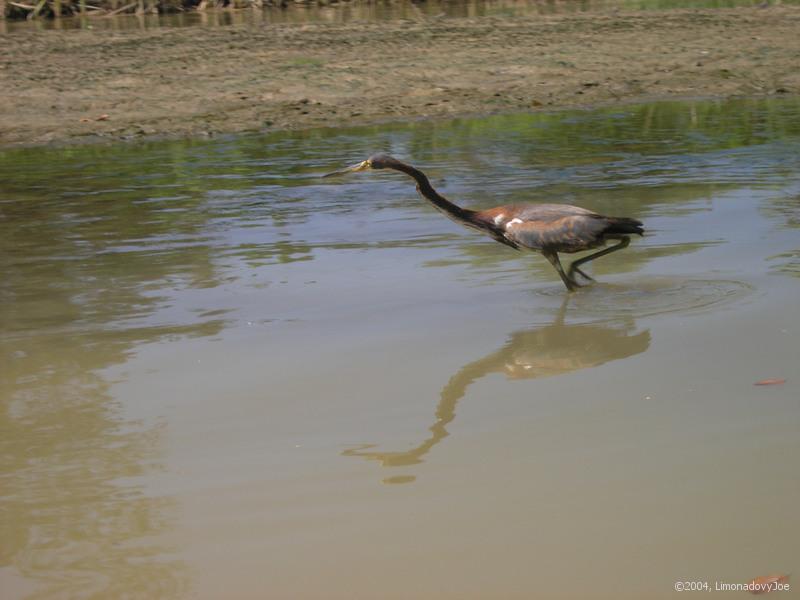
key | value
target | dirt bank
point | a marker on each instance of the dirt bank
(55, 85)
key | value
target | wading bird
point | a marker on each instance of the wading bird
(545, 228)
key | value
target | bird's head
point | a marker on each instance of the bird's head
(376, 161)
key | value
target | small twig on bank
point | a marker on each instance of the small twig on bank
(37, 9)
(123, 9)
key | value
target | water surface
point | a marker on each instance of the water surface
(225, 377)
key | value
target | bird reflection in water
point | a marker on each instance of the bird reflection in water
(545, 351)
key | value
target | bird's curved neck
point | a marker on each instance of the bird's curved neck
(424, 187)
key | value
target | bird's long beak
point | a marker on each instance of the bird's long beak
(362, 166)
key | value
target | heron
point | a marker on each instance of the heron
(545, 228)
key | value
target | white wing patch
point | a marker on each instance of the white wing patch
(513, 222)
(499, 218)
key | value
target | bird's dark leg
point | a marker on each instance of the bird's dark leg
(581, 273)
(623, 243)
(568, 281)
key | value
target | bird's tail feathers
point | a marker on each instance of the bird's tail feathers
(624, 225)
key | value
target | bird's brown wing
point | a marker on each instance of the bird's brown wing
(571, 233)
(546, 212)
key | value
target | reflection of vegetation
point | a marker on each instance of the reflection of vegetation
(74, 519)
(89, 260)
(788, 262)
(529, 354)
(96, 246)
(605, 135)
(786, 210)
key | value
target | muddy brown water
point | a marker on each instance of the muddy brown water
(225, 377)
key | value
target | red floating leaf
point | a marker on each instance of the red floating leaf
(770, 382)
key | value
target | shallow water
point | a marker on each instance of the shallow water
(225, 377)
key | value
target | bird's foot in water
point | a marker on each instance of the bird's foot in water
(573, 270)
(573, 285)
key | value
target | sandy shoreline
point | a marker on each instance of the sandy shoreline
(62, 87)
